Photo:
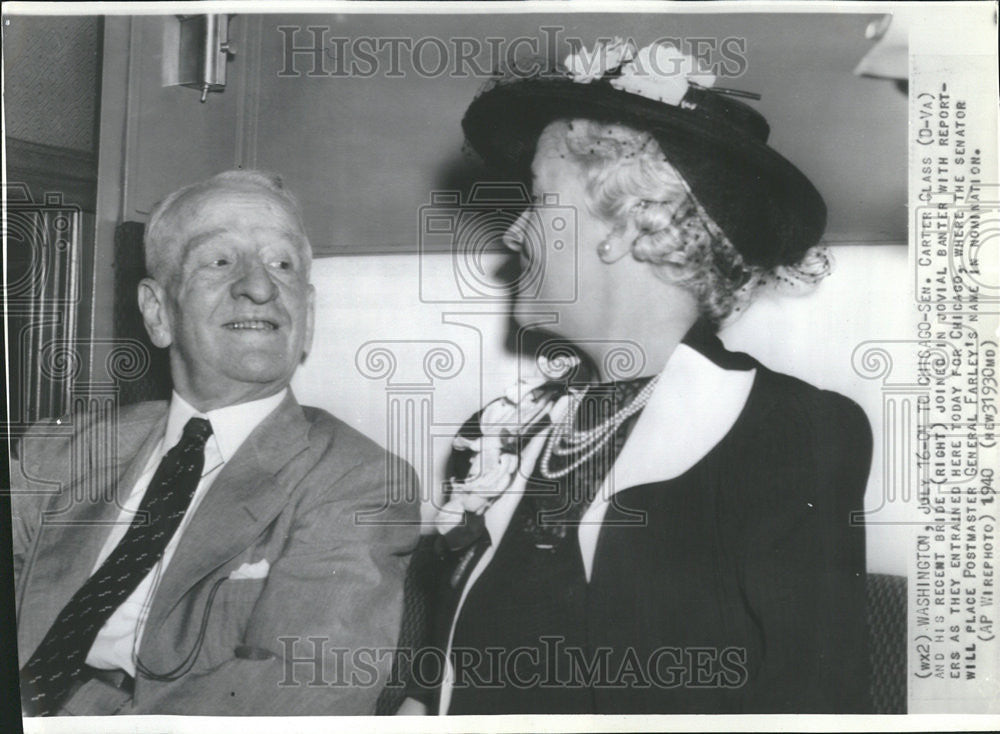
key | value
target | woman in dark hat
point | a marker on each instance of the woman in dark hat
(683, 538)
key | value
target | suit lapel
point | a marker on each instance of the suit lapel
(694, 406)
(239, 505)
(55, 574)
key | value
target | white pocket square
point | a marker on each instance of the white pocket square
(258, 570)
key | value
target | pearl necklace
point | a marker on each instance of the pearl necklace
(564, 441)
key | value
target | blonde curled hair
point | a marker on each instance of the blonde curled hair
(627, 174)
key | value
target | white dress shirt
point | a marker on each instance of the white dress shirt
(118, 639)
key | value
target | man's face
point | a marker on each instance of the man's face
(236, 307)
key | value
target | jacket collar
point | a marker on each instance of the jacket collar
(242, 501)
(245, 497)
(702, 391)
(694, 406)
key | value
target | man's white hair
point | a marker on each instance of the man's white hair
(159, 245)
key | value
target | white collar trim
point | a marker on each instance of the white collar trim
(693, 407)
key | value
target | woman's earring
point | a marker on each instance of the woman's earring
(606, 252)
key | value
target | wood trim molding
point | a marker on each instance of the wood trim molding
(248, 106)
(53, 169)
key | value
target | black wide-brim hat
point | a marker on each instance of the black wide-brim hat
(767, 208)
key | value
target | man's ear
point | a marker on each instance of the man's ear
(155, 313)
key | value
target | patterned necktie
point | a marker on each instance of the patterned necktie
(50, 673)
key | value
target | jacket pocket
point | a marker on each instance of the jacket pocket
(228, 618)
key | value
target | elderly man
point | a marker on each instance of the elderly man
(253, 562)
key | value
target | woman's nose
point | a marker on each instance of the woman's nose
(255, 283)
(515, 238)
